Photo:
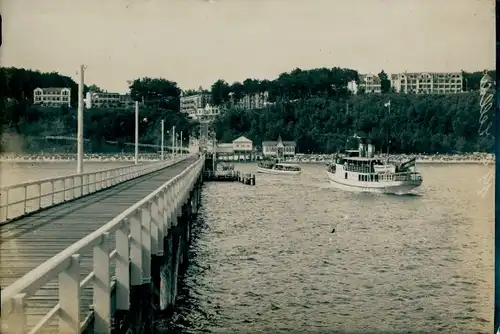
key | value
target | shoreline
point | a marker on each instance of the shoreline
(152, 158)
(425, 162)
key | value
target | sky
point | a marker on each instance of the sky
(196, 42)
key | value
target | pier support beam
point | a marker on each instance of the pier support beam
(141, 314)
(166, 274)
(176, 251)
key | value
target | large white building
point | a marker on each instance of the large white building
(242, 144)
(278, 148)
(209, 112)
(427, 83)
(240, 148)
(107, 100)
(52, 97)
(190, 104)
(411, 83)
(253, 101)
(369, 83)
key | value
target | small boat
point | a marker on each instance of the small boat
(278, 168)
(358, 170)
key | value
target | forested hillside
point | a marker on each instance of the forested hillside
(312, 107)
(159, 100)
(415, 123)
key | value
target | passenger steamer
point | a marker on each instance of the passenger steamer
(358, 170)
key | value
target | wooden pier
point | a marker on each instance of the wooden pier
(227, 173)
(230, 176)
(87, 266)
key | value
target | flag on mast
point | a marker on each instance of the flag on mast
(387, 104)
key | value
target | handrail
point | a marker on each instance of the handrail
(79, 185)
(57, 178)
(152, 216)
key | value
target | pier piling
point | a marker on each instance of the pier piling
(155, 296)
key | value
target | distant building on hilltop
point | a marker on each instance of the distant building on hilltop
(284, 148)
(427, 83)
(192, 103)
(207, 113)
(108, 100)
(253, 101)
(369, 83)
(52, 97)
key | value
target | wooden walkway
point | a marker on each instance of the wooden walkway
(30, 241)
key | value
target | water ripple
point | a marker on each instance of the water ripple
(264, 260)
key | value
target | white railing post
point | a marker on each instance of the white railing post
(136, 248)
(178, 201)
(155, 224)
(53, 187)
(102, 289)
(146, 244)
(6, 205)
(3, 206)
(39, 196)
(122, 270)
(25, 197)
(166, 210)
(65, 191)
(161, 222)
(173, 204)
(15, 320)
(69, 297)
(73, 188)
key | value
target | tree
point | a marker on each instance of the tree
(294, 85)
(385, 83)
(220, 92)
(472, 81)
(19, 83)
(21, 118)
(416, 123)
(156, 92)
(93, 89)
(238, 90)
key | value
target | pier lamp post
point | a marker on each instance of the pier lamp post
(136, 157)
(173, 142)
(162, 139)
(79, 136)
(180, 146)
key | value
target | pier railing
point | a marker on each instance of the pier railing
(20, 199)
(138, 234)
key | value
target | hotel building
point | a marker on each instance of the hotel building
(427, 83)
(52, 97)
(254, 101)
(108, 100)
(369, 83)
(192, 103)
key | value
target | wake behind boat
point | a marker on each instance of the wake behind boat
(278, 168)
(358, 170)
